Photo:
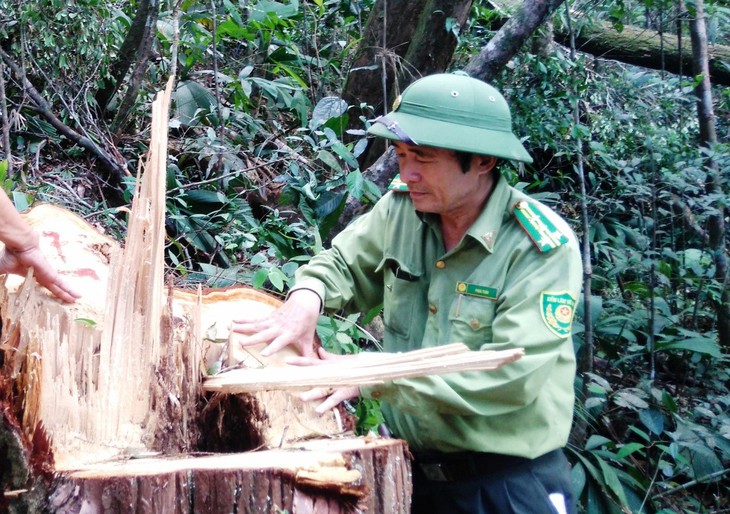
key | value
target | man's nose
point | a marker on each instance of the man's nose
(409, 172)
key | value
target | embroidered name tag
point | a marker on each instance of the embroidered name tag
(490, 293)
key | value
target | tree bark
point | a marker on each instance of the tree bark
(6, 122)
(510, 38)
(402, 41)
(338, 476)
(139, 72)
(132, 50)
(713, 184)
(634, 45)
(384, 43)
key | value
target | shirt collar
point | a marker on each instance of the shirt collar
(487, 225)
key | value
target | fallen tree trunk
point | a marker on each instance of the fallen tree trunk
(647, 48)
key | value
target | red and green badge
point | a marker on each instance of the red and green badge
(557, 310)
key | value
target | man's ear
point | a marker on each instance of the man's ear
(484, 163)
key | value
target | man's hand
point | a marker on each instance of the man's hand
(333, 395)
(22, 252)
(18, 262)
(294, 323)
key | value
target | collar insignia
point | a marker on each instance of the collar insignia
(398, 185)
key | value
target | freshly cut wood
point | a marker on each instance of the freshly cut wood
(362, 369)
(274, 418)
(327, 476)
(89, 391)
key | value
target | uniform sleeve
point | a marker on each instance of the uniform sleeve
(519, 322)
(345, 276)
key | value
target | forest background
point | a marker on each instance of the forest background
(268, 159)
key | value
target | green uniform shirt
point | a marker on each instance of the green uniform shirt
(503, 286)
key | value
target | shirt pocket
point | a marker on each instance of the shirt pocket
(402, 293)
(471, 319)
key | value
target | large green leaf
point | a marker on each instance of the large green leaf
(206, 196)
(612, 482)
(327, 108)
(264, 8)
(653, 420)
(192, 101)
(702, 345)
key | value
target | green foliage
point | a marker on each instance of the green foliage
(229, 150)
(662, 443)
(369, 416)
(654, 282)
(261, 166)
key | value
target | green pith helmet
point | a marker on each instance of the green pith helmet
(453, 111)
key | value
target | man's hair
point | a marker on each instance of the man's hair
(464, 159)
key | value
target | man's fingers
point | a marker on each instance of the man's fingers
(333, 396)
(66, 292)
(59, 287)
(252, 339)
(282, 342)
(248, 326)
(316, 393)
(305, 361)
(63, 294)
(328, 393)
(329, 404)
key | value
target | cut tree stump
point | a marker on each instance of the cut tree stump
(319, 476)
(107, 453)
(101, 402)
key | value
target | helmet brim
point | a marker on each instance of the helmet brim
(454, 136)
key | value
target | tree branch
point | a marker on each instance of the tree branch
(6, 122)
(510, 38)
(116, 170)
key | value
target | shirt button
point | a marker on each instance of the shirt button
(432, 309)
(474, 324)
(440, 264)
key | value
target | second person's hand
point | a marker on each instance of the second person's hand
(332, 396)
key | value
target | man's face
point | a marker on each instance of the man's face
(436, 182)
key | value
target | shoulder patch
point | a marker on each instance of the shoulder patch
(543, 232)
(557, 310)
(398, 185)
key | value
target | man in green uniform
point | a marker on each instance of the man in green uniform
(457, 255)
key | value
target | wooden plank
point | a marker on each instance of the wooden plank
(361, 371)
